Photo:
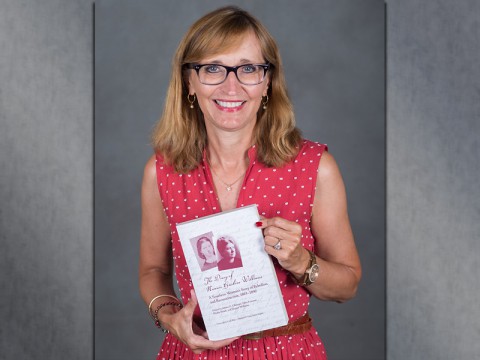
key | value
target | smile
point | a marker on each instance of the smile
(230, 105)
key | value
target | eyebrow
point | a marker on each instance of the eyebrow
(242, 62)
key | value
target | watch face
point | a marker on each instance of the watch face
(313, 274)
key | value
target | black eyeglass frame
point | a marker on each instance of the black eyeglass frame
(229, 69)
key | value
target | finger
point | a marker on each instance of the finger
(201, 344)
(271, 251)
(272, 235)
(222, 343)
(279, 229)
(272, 241)
(193, 296)
(278, 222)
(192, 302)
(281, 223)
(260, 224)
(278, 245)
(198, 344)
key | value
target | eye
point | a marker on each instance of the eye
(213, 69)
(249, 68)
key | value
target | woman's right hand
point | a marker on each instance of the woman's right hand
(182, 326)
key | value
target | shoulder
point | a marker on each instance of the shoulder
(313, 145)
(156, 166)
(328, 169)
(330, 195)
(309, 154)
(310, 148)
(315, 153)
(150, 174)
(150, 169)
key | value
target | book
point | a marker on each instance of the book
(232, 274)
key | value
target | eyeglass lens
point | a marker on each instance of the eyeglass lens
(214, 74)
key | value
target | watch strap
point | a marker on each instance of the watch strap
(305, 279)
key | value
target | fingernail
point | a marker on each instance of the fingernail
(258, 224)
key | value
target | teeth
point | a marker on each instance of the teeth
(229, 104)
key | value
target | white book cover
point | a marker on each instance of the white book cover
(234, 278)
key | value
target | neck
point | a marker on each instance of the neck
(228, 154)
(210, 259)
(228, 161)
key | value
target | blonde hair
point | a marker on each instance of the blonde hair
(180, 135)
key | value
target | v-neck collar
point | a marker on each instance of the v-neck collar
(252, 158)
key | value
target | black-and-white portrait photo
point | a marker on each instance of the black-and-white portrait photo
(205, 251)
(230, 255)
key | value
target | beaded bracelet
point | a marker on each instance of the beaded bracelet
(158, 297)
(155, 315)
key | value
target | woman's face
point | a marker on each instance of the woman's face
(207, 249)
(229, 251)
(231, 105)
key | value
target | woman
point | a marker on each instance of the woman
(206, 252)
(226, 248)
(227, 138)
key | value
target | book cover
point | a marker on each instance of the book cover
(234, 278)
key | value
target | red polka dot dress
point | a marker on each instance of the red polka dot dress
(287, 192)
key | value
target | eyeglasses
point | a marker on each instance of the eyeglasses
(214, 74)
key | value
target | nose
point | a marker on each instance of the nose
(231, 83)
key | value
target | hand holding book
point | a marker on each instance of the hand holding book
(182, 325)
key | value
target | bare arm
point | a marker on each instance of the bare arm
(337, 257)
(155, 270)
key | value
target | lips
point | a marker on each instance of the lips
(229, 105)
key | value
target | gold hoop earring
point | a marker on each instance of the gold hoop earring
(191, 101)
(264, 102)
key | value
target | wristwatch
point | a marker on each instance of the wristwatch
(311, 274)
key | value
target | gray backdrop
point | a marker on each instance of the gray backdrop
(46, 179)
(433, 173)
(333, 51)
(46, 173)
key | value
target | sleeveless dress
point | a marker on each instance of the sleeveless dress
(286, 192)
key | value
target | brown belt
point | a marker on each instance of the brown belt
(299, 326)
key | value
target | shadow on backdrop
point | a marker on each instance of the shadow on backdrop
(333, 54)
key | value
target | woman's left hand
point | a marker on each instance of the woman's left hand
(283, 241)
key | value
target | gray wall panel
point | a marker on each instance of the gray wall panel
(46, 183)
(433, 171)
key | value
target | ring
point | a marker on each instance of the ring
(277, 246)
